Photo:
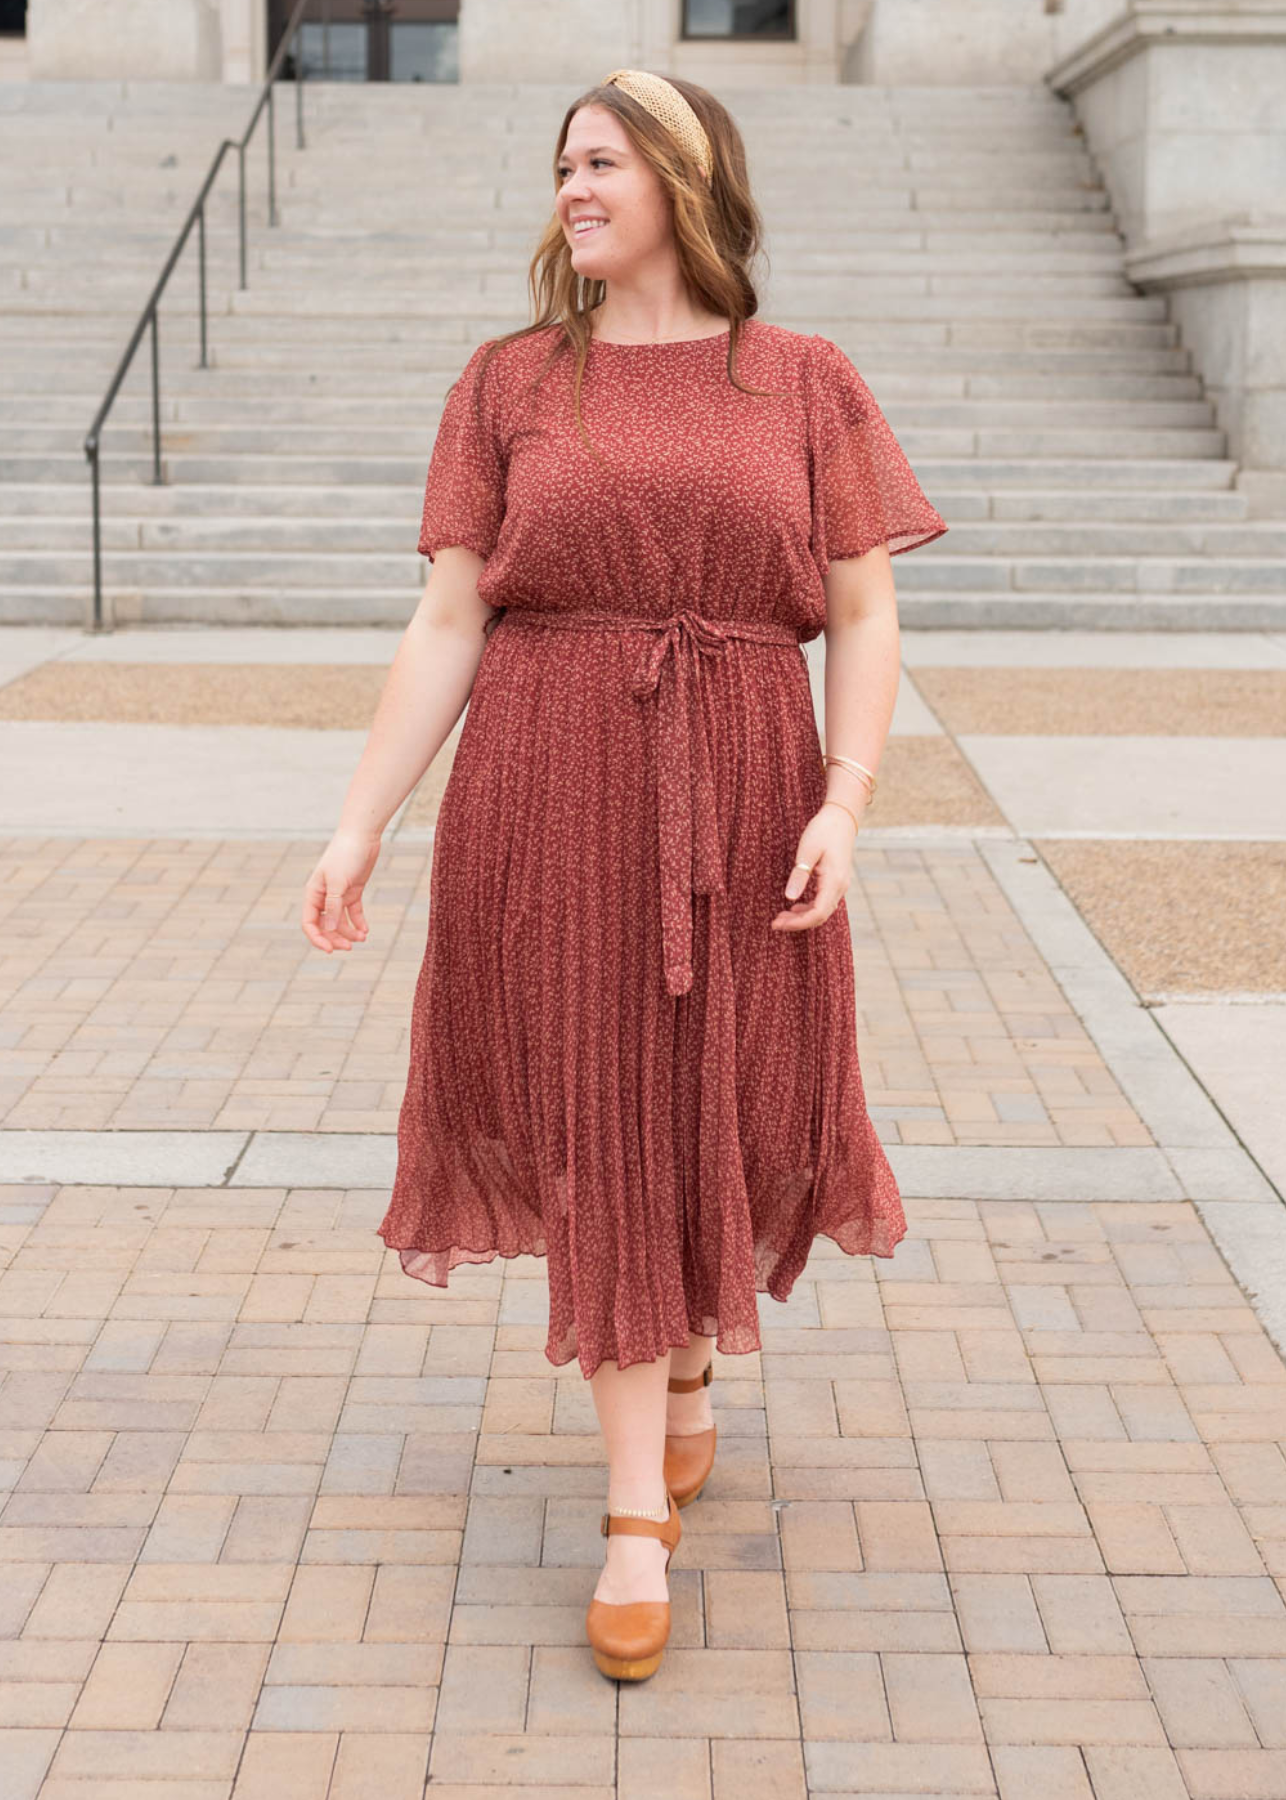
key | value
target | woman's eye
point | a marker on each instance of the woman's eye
(564, 172)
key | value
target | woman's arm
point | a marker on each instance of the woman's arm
(428, 684)
(863, 666)
(429, 681)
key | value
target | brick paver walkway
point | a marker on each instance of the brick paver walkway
(1006, 1514)
(1000, 1518)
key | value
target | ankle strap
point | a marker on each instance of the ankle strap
(689, 1385)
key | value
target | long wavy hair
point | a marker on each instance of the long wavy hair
(718, 233)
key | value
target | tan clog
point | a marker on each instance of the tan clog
(628, 1639)
(689, 1458)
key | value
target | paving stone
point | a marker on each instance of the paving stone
(664, 1764)
(713, 1693)
(127, 1688)
(517, 1760)
(842, 1695)
(1056, 1772)
(746, 1610)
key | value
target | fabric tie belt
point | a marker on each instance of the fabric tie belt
(689, 854)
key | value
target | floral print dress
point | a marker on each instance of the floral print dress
(615, 1063)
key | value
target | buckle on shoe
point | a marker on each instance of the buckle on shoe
(707, 1374)
(603, 1527)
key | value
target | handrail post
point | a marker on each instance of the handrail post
(156, 399)
(272, 159)
(241, 206)
(96, 508)
(201, 258)
(299, 84)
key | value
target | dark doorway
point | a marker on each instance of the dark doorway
(375, 40)
(13, 16)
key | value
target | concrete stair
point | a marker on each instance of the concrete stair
(13, 57)
(957, 244)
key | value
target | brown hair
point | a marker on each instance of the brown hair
(718, 232)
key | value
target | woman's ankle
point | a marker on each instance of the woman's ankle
(630, 1502)
(689, 1360)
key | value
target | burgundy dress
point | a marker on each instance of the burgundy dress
(615, 1063)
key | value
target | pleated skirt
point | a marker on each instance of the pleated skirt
(670, 1155)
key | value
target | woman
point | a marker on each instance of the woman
(633, 1035)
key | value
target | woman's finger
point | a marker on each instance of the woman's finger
(804, 915)
(310, 917)
(322, 911)
(816, 849)
(332, 903)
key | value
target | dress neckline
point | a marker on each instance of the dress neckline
(713, 337)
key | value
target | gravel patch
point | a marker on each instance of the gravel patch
(1198, 918)
(1107, 702)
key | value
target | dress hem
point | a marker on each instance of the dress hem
(460, 1254)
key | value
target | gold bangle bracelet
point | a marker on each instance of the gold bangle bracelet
(868, 788)
(862, 773)
(848, 809)
(850, 762)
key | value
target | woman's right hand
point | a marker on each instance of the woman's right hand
(332, 917)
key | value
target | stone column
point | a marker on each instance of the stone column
(136, 40)
(245, 34)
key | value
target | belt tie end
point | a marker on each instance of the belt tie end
(689, 851)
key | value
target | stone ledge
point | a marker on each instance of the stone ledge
(1147, 23)
(1241, 246)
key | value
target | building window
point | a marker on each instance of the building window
(333, 52)
(424, 52)
(753, 20)
(376, 40)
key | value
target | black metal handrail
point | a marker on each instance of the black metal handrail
(149, 315)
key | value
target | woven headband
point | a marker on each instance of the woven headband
(667, 105)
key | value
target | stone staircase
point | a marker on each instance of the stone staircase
(956, 243)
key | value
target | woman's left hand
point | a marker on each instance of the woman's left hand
(827, 843)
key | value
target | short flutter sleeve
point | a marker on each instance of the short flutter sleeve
(864, 492)
(464, 496)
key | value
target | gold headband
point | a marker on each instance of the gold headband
(667, 105)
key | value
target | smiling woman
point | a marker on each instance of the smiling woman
(633, 1046)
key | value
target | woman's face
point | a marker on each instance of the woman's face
(603, 178)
